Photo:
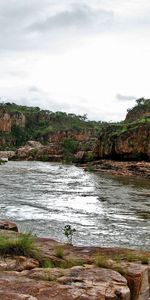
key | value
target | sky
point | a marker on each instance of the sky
(80, 56)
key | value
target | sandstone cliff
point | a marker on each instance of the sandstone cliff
(7, 121)
(131, 143)
(67, 135)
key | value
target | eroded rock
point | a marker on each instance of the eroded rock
(24, 278)
(8, 225)
(75, 283)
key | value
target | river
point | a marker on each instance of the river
(43, 197)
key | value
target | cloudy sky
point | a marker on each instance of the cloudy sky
(80, 56)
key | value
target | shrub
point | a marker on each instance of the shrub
(68, 232)
(70, 146)
(89, 156)
(45, 158)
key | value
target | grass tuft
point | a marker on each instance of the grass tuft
(47, 264)
(59, 251)
(101, 261)
(23, 244)
(72, 262)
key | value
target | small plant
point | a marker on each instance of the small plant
(59, 251)
(101, 261)
(68, 232)
(47, 264)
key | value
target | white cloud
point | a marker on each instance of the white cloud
(75, 55)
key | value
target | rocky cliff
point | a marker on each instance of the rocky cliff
(18, 124)
(7, 121)
(124, 142)
(67, 135)
(128, 140)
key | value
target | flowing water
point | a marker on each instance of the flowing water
(105, 210)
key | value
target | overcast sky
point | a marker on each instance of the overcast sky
(80, 56)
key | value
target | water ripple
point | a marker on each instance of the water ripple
(105, 210)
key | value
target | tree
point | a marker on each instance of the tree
(140, 101)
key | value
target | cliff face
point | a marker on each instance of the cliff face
(70, 135)
(129, 140)
(132, 144)
(7, 121)
(59, 136)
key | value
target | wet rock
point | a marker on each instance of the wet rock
(8, 225)
(7, 154)
(120, 168)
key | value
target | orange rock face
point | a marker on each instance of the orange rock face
(7, 121)
(132, 144)
(80, 136)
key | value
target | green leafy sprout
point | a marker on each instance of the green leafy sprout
(68, 232)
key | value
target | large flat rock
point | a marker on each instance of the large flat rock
(88, 283)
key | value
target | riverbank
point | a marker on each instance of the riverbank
(121, 168)
(52, 270)
(107, 166)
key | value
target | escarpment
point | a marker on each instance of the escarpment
(67, 136)
(119, 143)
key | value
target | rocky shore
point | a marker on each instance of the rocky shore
(36, 151)
(65, 272)
(121, 168)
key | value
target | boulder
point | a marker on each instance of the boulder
(8, 225)
(17, 263)
(7, 154)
